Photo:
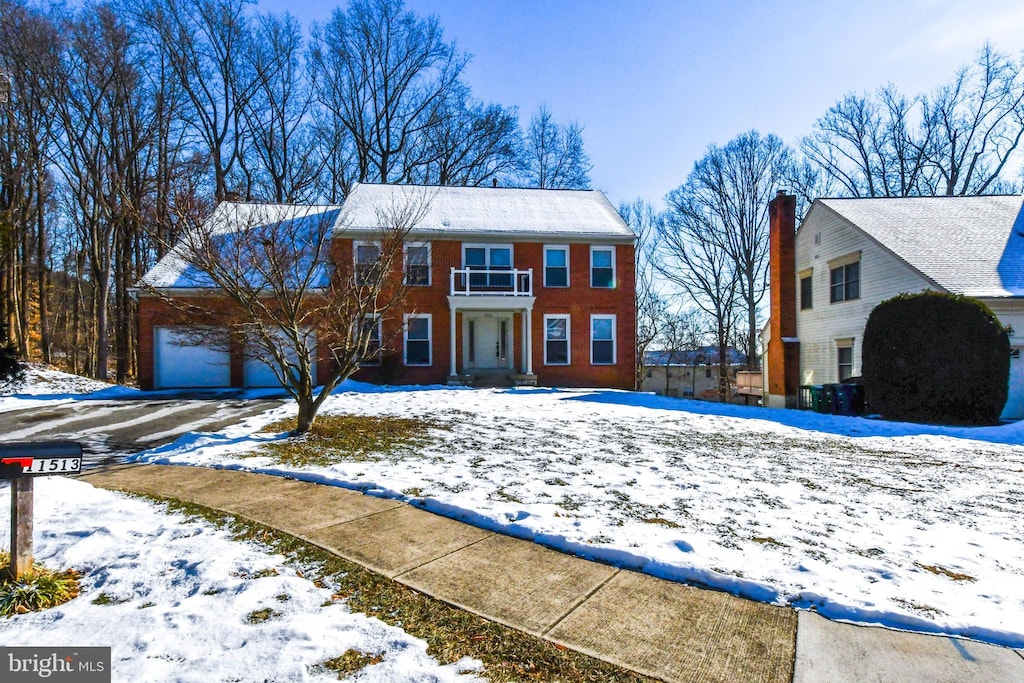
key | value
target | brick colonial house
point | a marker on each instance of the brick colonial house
(849, 255)
(507, 285)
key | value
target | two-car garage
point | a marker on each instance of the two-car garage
(199, 358)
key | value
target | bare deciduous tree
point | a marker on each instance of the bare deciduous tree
(553, 155)
(383, 75)
(641, 217)
(692, 256)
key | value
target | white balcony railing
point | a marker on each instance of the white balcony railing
(492, 282)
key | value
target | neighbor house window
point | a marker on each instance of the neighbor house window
(845, 282)
(845, 355)
(556, 266)
(806, 293)
(417, 265)
(556, 340)
(372, 327)
(417, 340)
(367, 262)
(602, 266)
(602, 339)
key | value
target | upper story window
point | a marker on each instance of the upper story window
(488, 257)
(556, 266)
(367, 262)
(417, 264)
(806, 292)
(602, 266)
(845, 282)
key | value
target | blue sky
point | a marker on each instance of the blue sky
(653, 83)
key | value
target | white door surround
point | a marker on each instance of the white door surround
(488, 341)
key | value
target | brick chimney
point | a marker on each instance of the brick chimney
(783, 347)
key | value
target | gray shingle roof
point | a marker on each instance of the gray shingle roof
(496, 211)
(967, 245)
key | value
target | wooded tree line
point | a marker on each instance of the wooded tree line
(711, 243)
(120, 122)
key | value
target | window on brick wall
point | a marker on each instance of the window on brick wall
(417, 264)
(602, 339)
(556, 266)
(372, 326)
(556, 340)
(602, 267)
(367, 262)
(417, 340)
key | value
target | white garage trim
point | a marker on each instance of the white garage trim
(181, 361)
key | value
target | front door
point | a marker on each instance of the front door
(488, 343)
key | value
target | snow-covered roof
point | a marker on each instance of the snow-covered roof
(966, 245)
(281, 221)
(490, 211)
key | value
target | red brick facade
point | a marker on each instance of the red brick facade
(579, 301)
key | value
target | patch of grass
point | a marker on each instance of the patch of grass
(917, 607)
(769, 541)
(662, 522)
(556, 481)
(282, 597)
(38, 589)
(107, 599)
(451, 633)
(261, 615)
(352, 661)
(354, 438)
(948, 573)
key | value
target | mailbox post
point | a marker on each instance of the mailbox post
(21, 463)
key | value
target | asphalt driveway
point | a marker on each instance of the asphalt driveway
(109, 430)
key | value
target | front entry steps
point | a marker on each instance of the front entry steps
(492, 379)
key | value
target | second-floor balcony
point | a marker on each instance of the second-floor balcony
(491, 282)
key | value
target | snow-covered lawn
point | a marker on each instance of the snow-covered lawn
(904, 525)
(173, 598)
(43, 385)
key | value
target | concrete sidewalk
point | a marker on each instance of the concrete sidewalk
(663, 629)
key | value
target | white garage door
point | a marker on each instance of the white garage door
(1014, 409)
(181, 363)
(259, 374)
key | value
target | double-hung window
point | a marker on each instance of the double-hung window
(556, 266)
(372, 330)
(488, 258)
(417, 339)
(367, 262)
(602, 267)
(845, 357)
(806, 292)
(417, 264)
(556, 340)
(844, 282)
(602, 339)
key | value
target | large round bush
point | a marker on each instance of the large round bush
(932, 357)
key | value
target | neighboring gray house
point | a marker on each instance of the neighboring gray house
(851, 254)
(688, 374)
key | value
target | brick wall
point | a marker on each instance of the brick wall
(579, 301)
(783, 363)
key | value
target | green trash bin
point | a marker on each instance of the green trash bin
(829, 400)
(818, 398)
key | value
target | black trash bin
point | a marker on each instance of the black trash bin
(848, 399)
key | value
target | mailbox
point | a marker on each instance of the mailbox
(39, 459)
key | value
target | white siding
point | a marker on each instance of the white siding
(882, 276)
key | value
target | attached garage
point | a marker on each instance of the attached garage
(180, 362)
(259, 374)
